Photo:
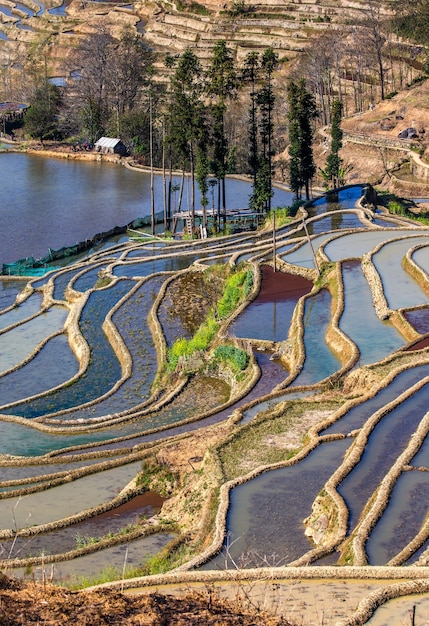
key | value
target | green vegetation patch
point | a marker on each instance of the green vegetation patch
(282, 215)
(237, 286)
(263, 441)
(401, 207)
(174, 554)
(198, 343)
(106, 575)
(235, 357)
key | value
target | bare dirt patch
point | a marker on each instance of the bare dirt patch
(30, 604)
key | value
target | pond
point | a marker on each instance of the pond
(103, 195)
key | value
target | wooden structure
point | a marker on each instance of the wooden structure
(236, 219)
(110, 145)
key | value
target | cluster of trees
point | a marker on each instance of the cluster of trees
(369, 58)
(175, 118)
(187, 116)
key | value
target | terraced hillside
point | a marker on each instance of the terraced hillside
(146, 451)
(289, 27)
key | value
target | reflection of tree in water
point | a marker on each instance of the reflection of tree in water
(337, 217)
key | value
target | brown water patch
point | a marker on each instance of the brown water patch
(76, 535)
(419, 319)
(419, 345)
(148, 499)
(280, 286)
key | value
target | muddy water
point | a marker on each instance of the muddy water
(133, 512)
(65, 500)
(399, 612)
(419, 319)
(268, 316)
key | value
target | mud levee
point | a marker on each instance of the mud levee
(415, 270)
(383, 493)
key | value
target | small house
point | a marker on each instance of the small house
(110, 145)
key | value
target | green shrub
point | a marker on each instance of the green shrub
(248, 283)
(397, 208)
(295, 206)
(238, 358)
(198, 9)
(229, 301)
(232, 294)
(204, 335)
(179, 348)
(198, 343)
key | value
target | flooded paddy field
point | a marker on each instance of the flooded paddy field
(110, 390)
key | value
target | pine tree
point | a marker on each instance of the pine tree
(222, 85)
(266, 101)
(333, 162)
(187, 114)
(302, 112)
(250, 75)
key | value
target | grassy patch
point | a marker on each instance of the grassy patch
(325, 275)
(253, 445)
(156, 477)
(173, 555)
(107, 575)
(236, 288)
(104, 279)
(282, 215)
(402, 207)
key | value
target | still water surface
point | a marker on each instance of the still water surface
(51, 203)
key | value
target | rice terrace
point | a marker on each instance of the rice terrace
(248, 412)
(214, 393)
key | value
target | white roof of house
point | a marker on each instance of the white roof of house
(107, 142)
